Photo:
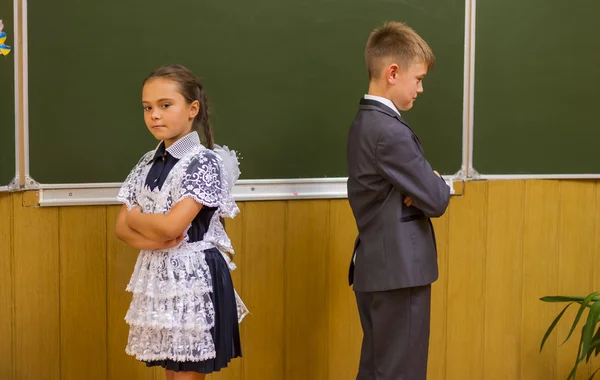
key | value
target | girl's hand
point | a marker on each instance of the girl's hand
(174, 242)
(164, 227)
(137, 210)
(136, 240)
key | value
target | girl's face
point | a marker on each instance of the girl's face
(167, 114)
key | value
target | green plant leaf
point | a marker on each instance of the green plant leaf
(584, 304)
(593, 374)
(577, 299)
(562, 299)
(595, 344)
(577, 359)
(588, 328)
(597, 336)
(553, 325)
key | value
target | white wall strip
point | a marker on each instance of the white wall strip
(75, 186)
(244, 190)
(538, 176)
(3, 188)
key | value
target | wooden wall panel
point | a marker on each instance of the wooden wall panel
(37, 299)
(466, 284)
(575, 260)
(119, 266)
(595, 362)
(235, 230)
(83, 292)
(502, 246)
(540, 270)
(264, 290)
(306, 280)
(503, 280)
(7, 319)
(344, 334)
(436, 368)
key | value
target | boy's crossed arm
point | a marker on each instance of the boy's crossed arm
(404, 166)
(408, 201)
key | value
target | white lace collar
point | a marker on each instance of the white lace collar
(182, 146)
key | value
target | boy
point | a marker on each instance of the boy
(393, 191)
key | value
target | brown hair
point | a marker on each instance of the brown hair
(191, 89)
(398, 42)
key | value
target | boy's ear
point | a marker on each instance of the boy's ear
(391, 73)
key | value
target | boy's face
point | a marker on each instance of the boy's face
(166, 112)
(406, 83)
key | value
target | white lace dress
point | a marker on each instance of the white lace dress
(171, 313)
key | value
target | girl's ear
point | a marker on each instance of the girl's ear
(194, 109)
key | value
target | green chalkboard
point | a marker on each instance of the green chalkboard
(537, 85)
(7, 99)
(284, 79)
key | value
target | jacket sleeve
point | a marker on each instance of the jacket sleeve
(401, 162)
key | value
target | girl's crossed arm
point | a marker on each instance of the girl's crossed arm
(137, 240)
(164, 227)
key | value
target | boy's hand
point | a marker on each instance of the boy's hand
(408, 202)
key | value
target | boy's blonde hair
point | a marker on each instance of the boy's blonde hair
(396, 42)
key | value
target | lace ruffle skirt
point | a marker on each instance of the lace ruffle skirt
(184, 314)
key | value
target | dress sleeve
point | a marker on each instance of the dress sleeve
(206, 181)
(127, 193)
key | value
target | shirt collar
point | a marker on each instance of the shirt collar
(179, 148)
(385, 101)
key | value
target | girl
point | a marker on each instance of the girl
(184, 313)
